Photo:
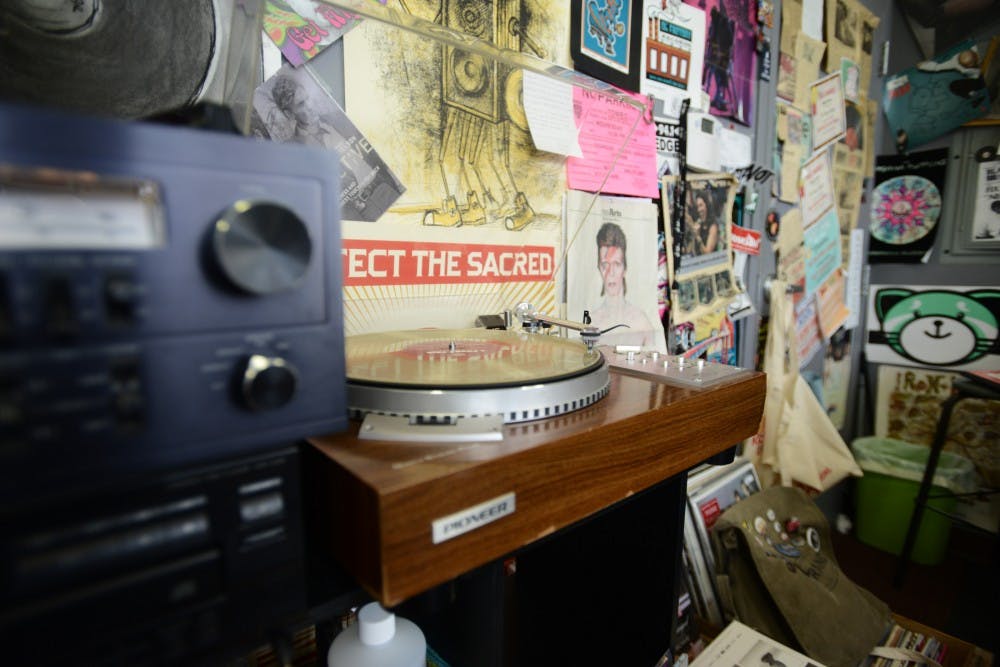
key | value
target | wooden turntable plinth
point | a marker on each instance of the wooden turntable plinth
(379, 498)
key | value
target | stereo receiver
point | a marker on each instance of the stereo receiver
(168, 295)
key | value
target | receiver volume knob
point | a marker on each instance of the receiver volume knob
(263, 248)
(268, 382)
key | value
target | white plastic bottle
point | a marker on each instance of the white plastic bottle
(378, 639)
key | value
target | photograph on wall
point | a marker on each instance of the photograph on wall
(908, 406)
(451, 125)
(700, 263)
(953, 327)
(612, 268)
(906, 205)
(707, 212)
(934, 97)
(730, 69)
(986, 215)
(673, 53)
(291, 106)
(606, 40)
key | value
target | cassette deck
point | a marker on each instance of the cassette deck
(168, 296)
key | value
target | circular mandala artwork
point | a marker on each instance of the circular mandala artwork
(906, 209)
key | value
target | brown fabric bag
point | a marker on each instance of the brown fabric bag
(787, 583)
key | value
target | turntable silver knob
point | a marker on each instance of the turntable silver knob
(268, 382)
(261, 247)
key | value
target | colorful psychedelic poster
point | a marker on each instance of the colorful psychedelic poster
(954, 327)
(730, 71)
(303, 28)
(906, 205)
(673, 53)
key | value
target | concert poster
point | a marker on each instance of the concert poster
(730, 68)
(906, 205)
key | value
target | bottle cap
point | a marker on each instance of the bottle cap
(375, 624)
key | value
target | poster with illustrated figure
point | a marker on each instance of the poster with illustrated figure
(450, 123)
(673, 53)
(931, 99)
(953, 327)
(729, 74)
(612, 268)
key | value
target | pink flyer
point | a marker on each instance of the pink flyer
(604, 124)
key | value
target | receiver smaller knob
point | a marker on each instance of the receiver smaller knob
(261, 247)
(268, 382)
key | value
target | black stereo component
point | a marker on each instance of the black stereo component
(187, 568)
(168, 296)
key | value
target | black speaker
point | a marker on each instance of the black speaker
(475, 83)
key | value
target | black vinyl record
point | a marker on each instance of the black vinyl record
(129, 59)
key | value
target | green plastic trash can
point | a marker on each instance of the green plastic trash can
(886, 496)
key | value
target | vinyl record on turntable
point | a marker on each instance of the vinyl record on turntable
(109, 57)
(441, 375)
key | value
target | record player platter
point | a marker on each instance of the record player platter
(438, 376)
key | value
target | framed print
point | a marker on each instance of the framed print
(605, 38)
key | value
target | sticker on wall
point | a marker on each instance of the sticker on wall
(953, 327)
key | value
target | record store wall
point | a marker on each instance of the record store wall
(755, 135)
(451, 211)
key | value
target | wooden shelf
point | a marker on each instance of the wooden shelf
(379, 499)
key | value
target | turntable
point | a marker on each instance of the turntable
(467, 382)
(437, 385)
(570, 429)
